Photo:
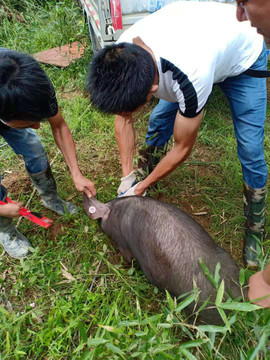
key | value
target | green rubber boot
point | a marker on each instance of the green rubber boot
(46, 186)
(254, 209)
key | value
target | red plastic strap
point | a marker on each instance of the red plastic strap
(44, 221)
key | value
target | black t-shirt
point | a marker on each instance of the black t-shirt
(53, 101)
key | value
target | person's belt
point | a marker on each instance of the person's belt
(257, 73)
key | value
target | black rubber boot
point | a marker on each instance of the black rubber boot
(46, 186)
(14, 243)
(148, 159)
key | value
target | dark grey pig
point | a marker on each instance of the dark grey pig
(167, 244)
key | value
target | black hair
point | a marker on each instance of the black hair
(120, 77)
(26, 92)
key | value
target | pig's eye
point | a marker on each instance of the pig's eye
(92, 209)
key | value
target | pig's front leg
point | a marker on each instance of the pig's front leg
(127, 254)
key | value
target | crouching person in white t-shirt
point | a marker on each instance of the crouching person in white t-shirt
(177, 54)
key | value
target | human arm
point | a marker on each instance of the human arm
(185, 133)
(259, 286)
(125, 138)
(65, 143)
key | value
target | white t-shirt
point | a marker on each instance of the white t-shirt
(196, 44)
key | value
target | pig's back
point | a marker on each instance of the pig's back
(168, 244)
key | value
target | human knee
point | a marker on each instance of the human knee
(161, 123)
(36, 158)
(165, 111)
(251, 153)
(3, 190)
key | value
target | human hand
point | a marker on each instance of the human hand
(126, 183)
(259, 288)
(132, 191)
(11, 210)
(85, 185)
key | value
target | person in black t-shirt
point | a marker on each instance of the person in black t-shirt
(27, 98)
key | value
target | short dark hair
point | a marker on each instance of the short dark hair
(25, 89)
(120, 77)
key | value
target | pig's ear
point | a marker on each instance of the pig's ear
(95, 209)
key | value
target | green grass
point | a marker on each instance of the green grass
(75, 298)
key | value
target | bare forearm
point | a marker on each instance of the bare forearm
(185, 133)
(125, 138)
(65, 143)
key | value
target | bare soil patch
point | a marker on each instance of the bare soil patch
(72, 94)
(56, 230)
(17, 183)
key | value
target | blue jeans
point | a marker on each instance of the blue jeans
(26, 143)
(247, 99)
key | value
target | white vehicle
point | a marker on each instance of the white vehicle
(107, 19)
